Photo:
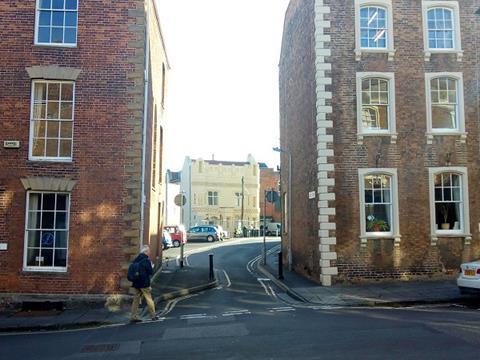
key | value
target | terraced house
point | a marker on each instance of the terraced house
(82, 96)
(379, 104)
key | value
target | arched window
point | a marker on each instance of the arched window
(441, 28)
(378, 203)
(448, 201)
(375, 104)
(373, 27)
(444, 103)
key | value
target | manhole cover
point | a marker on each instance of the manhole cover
(95, 348)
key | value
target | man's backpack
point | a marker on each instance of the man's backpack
(133, 272)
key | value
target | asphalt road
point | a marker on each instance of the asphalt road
(246, 317)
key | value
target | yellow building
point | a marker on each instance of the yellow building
(216, 190)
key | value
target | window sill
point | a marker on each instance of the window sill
(462, 135)
(434, 237)
(393, 136)
(68, 46)
(58, 160)
(428, 53)
(44, 271)
(374, 236)
(359, 52)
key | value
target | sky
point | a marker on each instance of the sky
(222, 97)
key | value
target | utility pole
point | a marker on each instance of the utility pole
(242, 210)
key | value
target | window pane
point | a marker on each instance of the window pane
(39, 111)
(438, 194)
(65, 148)
(40, 92)
(34, 219)
(386, 196)
(62, 201)
(54, 91)
(52, 148)
(47, 257)
(45, 4)
(44, 18)
(456, 194)
(38, 147)
(71, 19)
(71, 4)
(61, 221)
(61, 239)
(444, 117)
(57, 4)
(52, 109)
(52, 129)
(33, 238)
(67, 92)
(48, 202)
(66, 129)
(66, 112)
(34, 202)
(57, 18)
(447, 194)
(377, 196)
(455, 180)
(60, 258)
(378, 218)
(47, 220)
(32, 257)
(57, 35)
(48, 239)
(70, 35)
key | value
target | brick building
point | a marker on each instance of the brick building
(269, 180)
(82, 90)
(379, 103)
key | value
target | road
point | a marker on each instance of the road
(246, 317)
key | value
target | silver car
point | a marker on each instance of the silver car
(203, 232)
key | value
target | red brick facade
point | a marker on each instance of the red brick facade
(106, 158)
(416, 252)
(269, 179)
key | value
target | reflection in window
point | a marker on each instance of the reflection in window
(57, 22)
(373, 27)
(440, 28)
(448, 202)
(444, 99)
(375, 104)
(378, 203)
(47, 230)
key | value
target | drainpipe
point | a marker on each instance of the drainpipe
(145, 121)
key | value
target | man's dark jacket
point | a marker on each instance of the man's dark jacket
(146, 271)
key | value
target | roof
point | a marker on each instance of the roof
(220, 162)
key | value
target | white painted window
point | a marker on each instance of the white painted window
(441, 28)
(51, 123)
(374, 27)
(445, 110)
(449, 211)
(46, 231)
(213, 198)
(238, 199)
(56, 22)
(378, 203)
(375, 103)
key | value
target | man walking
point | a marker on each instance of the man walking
(141, 284)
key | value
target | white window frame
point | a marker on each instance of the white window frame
(395, 226)
(37, 25)
(390, 49)
(457, 41)
(392, 131)
(436, 233)
(32, 101)
(213, 196)
(25, 245)
(431, 132)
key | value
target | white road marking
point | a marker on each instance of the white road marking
(193, 316)
(236, 312)
(282, 309)
(229, 283)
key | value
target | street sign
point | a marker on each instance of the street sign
(180, 200)
(272, 196)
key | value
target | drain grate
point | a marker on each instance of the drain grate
(96, 348)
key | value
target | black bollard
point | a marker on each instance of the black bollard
(280, 266)
(211, 275)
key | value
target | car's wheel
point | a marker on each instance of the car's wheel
(210, 238)
(176, 243)
(268, 233)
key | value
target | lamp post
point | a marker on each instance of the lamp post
(289, 205)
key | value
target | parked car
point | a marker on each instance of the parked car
(468, 280)
(166, 240)
(177, 233)
(203, 232)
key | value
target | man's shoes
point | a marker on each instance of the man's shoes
(135, 320)
(155, 318)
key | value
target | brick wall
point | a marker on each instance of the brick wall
(298, 134)
(105, 203)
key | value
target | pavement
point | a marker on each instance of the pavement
(173, 282)
(380, 293)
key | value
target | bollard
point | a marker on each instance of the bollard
(181, 255)
(211, 275)
(280, 266)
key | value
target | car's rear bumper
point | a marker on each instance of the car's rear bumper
(470, 283)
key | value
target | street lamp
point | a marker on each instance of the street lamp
(289, 210)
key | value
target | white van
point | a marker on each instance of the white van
(273, 229)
